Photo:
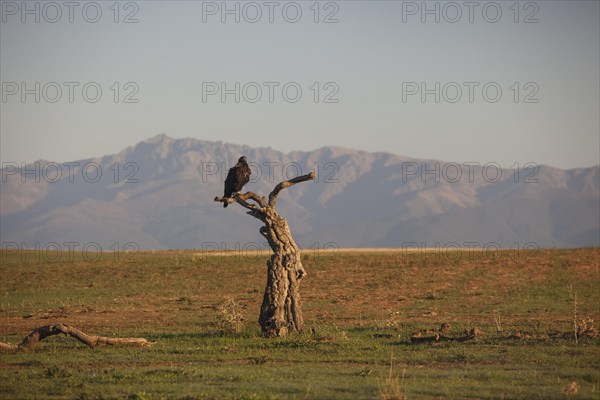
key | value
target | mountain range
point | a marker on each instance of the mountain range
(159, 194)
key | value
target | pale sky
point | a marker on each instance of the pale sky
(376, 60)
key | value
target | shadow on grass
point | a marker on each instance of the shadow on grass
(248, 333)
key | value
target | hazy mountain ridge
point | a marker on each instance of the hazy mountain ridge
(360, 199)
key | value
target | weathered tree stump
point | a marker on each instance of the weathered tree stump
(281, 309)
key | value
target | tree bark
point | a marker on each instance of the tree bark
(45, 331)
(281, 309)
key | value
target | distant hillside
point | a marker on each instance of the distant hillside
(360, 199)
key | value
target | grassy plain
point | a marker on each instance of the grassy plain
(360, 310)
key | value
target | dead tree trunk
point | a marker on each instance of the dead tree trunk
(281, 310)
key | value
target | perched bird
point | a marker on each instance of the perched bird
(237, 177)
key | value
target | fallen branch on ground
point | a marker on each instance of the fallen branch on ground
(43, 332)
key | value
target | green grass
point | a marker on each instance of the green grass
(360, 310)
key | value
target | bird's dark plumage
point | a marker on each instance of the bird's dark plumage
(237, 177)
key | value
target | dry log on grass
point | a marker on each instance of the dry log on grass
(45, 331)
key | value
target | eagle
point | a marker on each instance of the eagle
(237, 177)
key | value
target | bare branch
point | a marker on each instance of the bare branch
(227, 200)
(286, 184)
(241, 199)
(43, 332)
(256, 212)
(253, 196)
(8, 346)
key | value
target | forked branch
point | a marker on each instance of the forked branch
(241, 198)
